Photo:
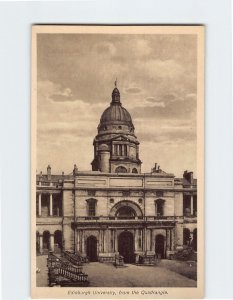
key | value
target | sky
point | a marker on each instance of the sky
(156, 76)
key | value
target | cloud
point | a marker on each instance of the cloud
(105, 48)
(157, 81)
(132, 90)
(65, 95)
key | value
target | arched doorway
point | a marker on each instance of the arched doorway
(186, 236)
(159, 246)
(46, 240)
(194, 243)
(57, 241)
(126, 246)
(92, 248)
(37, 242)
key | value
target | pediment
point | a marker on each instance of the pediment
(120, 138)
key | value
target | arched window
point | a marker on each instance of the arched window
(159, 207)
(91, 207)
(186, 236)
(134, 170)
(126, 208)
(125, 212)
(121, 169)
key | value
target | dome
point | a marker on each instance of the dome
(116, 113)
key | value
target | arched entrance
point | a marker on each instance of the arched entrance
(92, 248)
(194, 243)
(37, 242)
(159, 246)
(46, 240)
(57, 241)
(126, 246)
(186, 236)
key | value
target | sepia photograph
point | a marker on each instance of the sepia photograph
(117, 155)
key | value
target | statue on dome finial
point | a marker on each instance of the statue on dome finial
(116, 82)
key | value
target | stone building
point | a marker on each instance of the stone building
(116, 209)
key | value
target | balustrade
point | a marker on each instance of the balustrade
(62, 272)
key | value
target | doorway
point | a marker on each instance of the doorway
(159, 246)
(57, 241)
(126, 246)
(92, 248)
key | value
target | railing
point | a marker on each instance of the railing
(62, 272)
(80, 277)
(74, 258)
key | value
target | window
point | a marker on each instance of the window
(125, 212)
(120, 149)
(134, 170)
(159, 207)
(121, 169)
(91, 207)
(111, 200)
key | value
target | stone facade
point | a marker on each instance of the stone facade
(115, 209)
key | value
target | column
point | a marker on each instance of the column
(172, 239)
(136, 240)
(51, 241)
(39, 204)
(116, 244)
(41, 243)
(191, 200)
(148, 235)
(78, 241)
(103, 241)
(83, 243)
(144, 240)
(51, 204)
(170, 243)
(151, 240)
(100, 241)
(168, 238)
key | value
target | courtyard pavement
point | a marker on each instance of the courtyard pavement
(106, 275)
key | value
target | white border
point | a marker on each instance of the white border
(16, 19)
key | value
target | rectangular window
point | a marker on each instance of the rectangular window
(91, 209)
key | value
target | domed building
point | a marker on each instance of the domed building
(115, 209)
(116, 148)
